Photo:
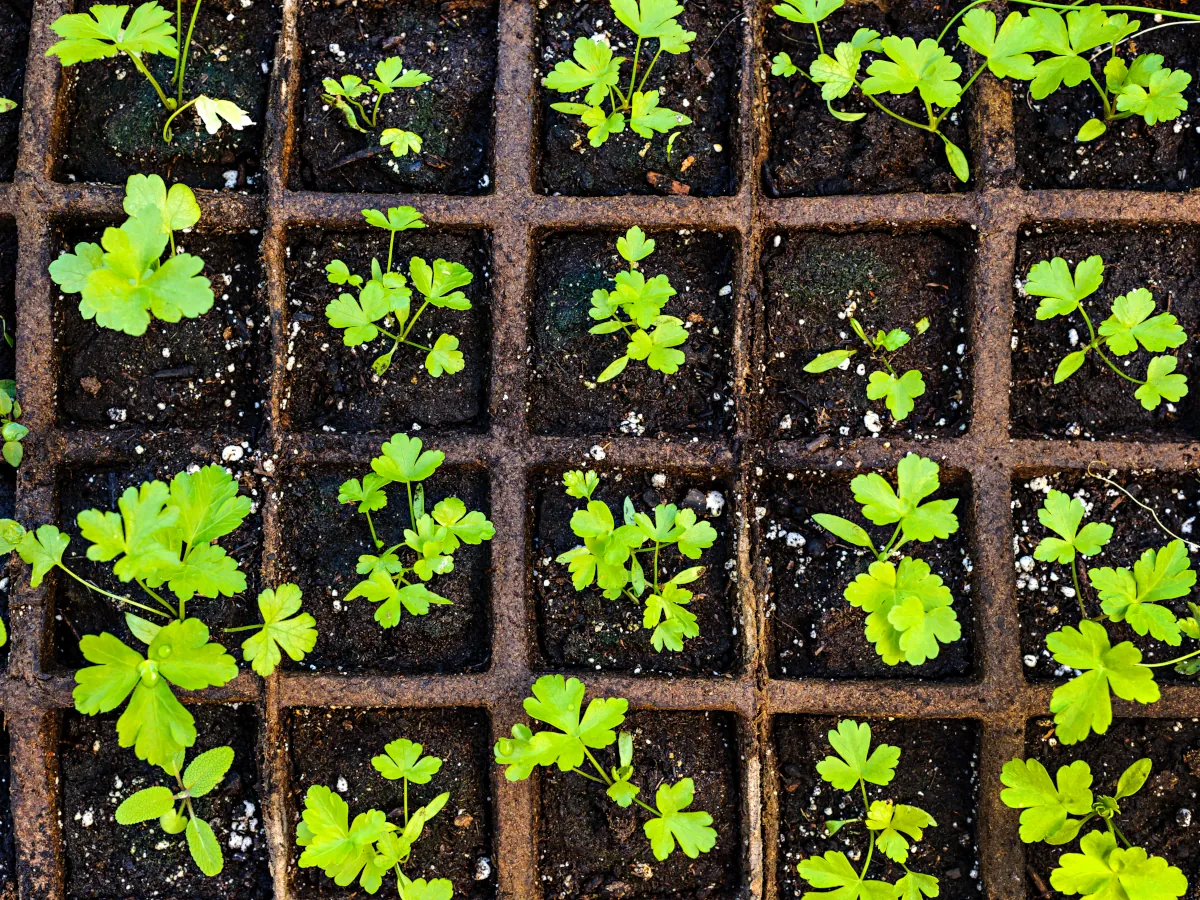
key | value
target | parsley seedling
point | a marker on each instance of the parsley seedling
(559, 704)
(7, 105)
(1055, 811)
(371, 846)
(102, 32)
(390, 75)
(613, 558)
(385, 300)
(596, 69)
(12, 432)
(908, 607)
(429, 542)
(890, 826)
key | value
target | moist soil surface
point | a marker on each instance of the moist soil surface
(815, 632)
(454, 42)
(330, 387)
(106, 860)
(566, 359)
(334, 747)
(892, 281)
(115, 119)
(591, 848)
(811, 153)
(701, 84)
(208, 372)
(8, 302)
(938, 771)
(8, 880)
(14, 44)
(452, 638)
(581, 629)
(1095, 402)
(1045, 595)
(1161, 817)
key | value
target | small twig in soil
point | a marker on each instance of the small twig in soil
(181, 372)
(355, 157)
(670, 185)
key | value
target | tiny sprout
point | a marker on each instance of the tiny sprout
(390, 75)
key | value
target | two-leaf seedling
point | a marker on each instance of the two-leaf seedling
(347, 95)
(12, 432)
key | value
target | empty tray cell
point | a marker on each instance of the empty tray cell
(938, 771)
(334, 748)
(454, 43)
(813, 282)
(702, 84)
(106, 860)
(14, 42)
(1095, 402)
(8, 300)
(452, 638)
(328, 386)
(114, 119)
(813, 629)
(567, 360)
(590, 847)
(582, 629)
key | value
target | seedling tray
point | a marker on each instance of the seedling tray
(982, 703)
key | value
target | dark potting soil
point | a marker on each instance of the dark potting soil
(591, 848)
(212, 371)
(813, 154)
(80, 611)
(1095, 402)
(115, 120)
(1131, 154)
(8, 880)
(1045, 596)
(702, 84)
(14, 44)
(452, 638)
(938, 771)
(566, 359)
(814, 631)
(8, 301)
(330, 387)
(8, 510)
(1160, 817)
(893, 281)
(106, 860)
(334, 747)
(581, 629)
(454, 42)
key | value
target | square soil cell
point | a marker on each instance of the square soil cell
(79, 610)
(455, 638)
(892, 281)
(8, 299)
(1095, 402)
(590, 847)
(455, 43)
(1160, 818)
(814, 631)
(938, 771)
(107, 861)
(810, 153)
(1045, 595)
(14, 42)
(698, 399)
(334, 747)
(114, 119)
(702, 84)
(330, 387)
(583, 630)
(209, 372)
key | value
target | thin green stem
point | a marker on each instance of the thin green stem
(958, 15)
(633, 75)
(374, 121)
(649, 68)
(374, 536)
(1170, 662)
(895, 115)
(178, 31)
(413, 321)
(167, 134)
(165, 604)
(657, 547)
(583, 774)
(1112, 365)
(183, 51)
(599, 768)
(1103, 96)
(391, 247)
(412, 516)
(240, 628)
(820, 44)
(405, 802)
(141, 67)
(1078, 593)
(1165, 13)
(117, 597)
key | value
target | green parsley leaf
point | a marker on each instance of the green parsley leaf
(916, 478)
(1159, 101)
(924, 67)
(893, 821)
(1130, 324)
(1062, 293)
(558, 703)
(390, 74)
(177, 209)
(445, 357)
(899, 392)
(1007, 53)
(1062, 515)
(809, 12)
(838, 880)
(690, 829)
(917, 886)
(400, 142)
(404, 461)
(1133, 597)
(402, 759)
(140, 534)
(837, 74)
(781, 64)
(282, 630)
(594, 68)
(634, 246)
(1046, 808)
(331, 843)
(97, 33)
(856, 761)
(580, 485)
(647, 117)
(1104, 871)
(42, 549)
(1161, 384)
(884, 588)
(655, 19)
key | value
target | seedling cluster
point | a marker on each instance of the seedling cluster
(12, 432)
(347, 94)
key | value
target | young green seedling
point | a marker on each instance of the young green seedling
(559, 704)
(1128, 326)
(390, 75)
(596, 69)
(385, 299)
(396, 579)
(641, 303)
(12, 432)
(890, 826)
(908, 607)
(1056, 811)
(897, 391)
(372, 846)
(102, 32)
(7, 105)
(614, 558)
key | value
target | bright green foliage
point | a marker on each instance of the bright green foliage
(896, 823)
(347, 95)
(615, 558)
(430, 541)
(282, 630)
(1047, 807)
(1063, 515)
(558, 702)
(123, 282)
(855, 760)
(384, 302)
(402, 759)
(12, 432)
(1134, 597)
(1103, 870)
